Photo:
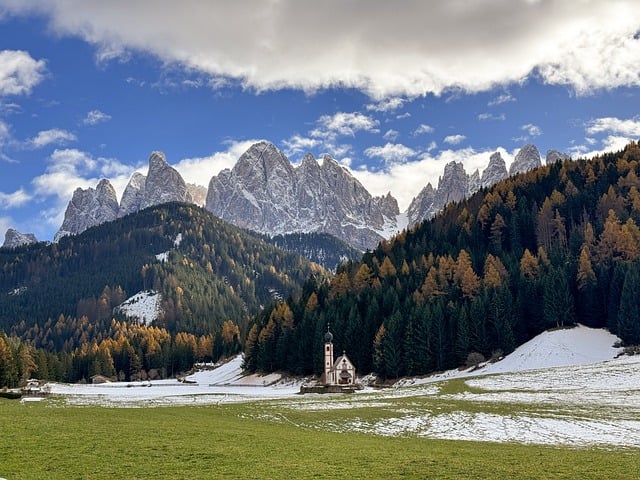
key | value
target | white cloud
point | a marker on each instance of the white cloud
(94, 117)
(491, 116)
(454, 139)
(403, 115)
(298, 144)
(330, 128)
(391, 153)
(619, 132)
(630, 127)
(531, 130)
(344, 124)
(15, 199)
(611, 143)
(500, 99)
(5, 139)
(386, 105)
(5, 224)
(19, 72)
(423, 129)
(391, 134)
(392, 52)
(48, 137)
(200, 170)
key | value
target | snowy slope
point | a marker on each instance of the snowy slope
(558, 348)
(143, 306)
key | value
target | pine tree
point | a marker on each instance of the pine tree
(629, 312)
(557, 299)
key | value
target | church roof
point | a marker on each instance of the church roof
(343, 358)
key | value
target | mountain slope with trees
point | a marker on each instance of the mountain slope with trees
(544, 249)
(213, 278)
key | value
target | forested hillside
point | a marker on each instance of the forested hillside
(212, 277)
(321, 248)
(545, 249)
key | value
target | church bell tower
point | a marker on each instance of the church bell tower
(328, 375)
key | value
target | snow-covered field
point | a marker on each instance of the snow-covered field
(564, 387)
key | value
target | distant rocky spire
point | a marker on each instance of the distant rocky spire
(526, 159)
(13, 238)
(89, 207)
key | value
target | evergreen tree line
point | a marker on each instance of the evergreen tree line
(120, 351)
(546, 249)
(321, 248)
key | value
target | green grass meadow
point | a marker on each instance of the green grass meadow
(49, 440)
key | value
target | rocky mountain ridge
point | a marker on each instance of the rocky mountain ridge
(266, 193)
(455, 184)
(94, 206)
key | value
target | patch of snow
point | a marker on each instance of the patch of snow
(178, 240)
(163, 257)
(558, 348)
(143, 306)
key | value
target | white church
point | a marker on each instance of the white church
(341, 372)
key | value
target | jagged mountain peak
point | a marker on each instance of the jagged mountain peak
(163, 183)
(157, 160)
(88, 208)
(13, 238)
(526, 159)
(554, 156)
(264, 192)
(495, 171)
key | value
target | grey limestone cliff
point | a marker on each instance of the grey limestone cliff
(13, 239)
(264, 192)
(88, 208)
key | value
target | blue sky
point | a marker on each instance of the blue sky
(393, 90)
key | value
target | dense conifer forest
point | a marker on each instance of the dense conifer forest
(545, 249)
(57, 300)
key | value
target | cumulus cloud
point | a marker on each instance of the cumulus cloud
(199, 170)
(94, 117)
(330, 132)
(531, 130)
(19, 72)
(370, 45)
(344, 124)
(391, 153)
(423, 129)
(454, 139)
(298, 144)
(629, 127)
(15, 199)
(612, 133)
(52, 136)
